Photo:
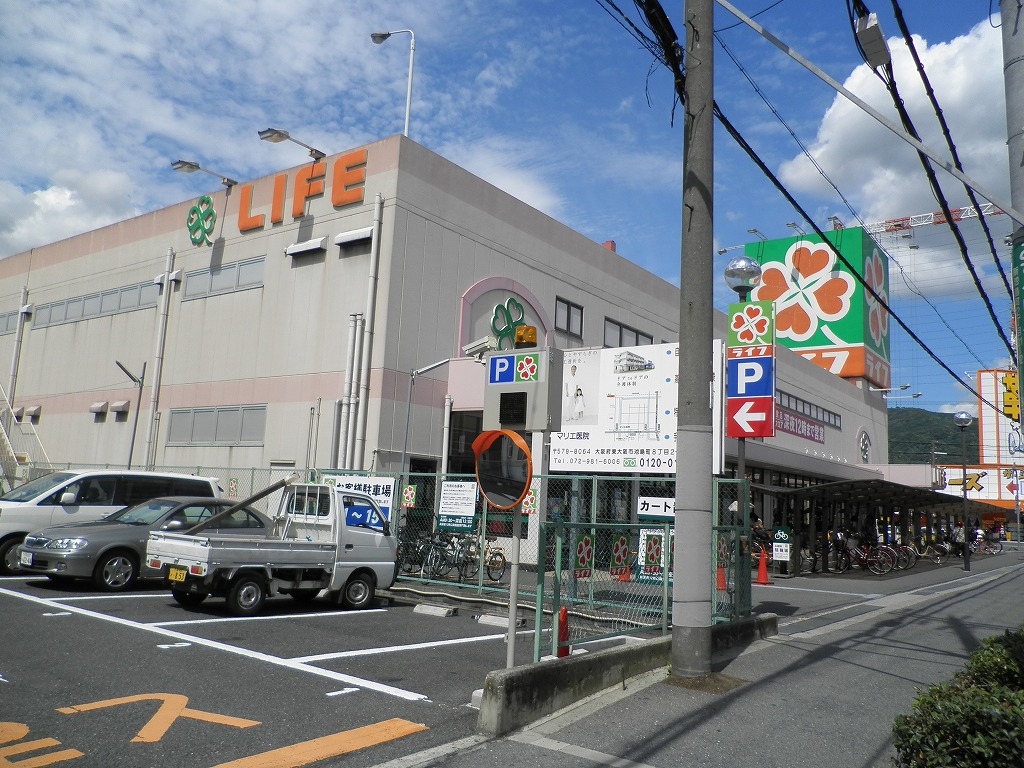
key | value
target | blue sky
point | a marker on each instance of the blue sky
(550, 100)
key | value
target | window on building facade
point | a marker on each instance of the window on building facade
(226, 278)
(569, 318)
(112, 302)
(619, 335)
(226, 425)
(808, 409)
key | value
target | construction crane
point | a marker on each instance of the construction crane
(924, 219)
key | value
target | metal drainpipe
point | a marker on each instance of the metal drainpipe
(346, 397)
(367, 352)
(446, 433)
(158, 360)
(354, 395)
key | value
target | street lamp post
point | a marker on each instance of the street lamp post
(963, 420)
(742, 274)
(408, 414)
(139, 382)
(380, 37)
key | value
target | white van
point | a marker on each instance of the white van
(73, 496)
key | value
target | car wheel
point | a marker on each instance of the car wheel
(246, 596)
(188, 599)
(358, 592)
(9, 562)
(116, 571)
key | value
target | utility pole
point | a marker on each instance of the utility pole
(691, 589)
(1012, 15)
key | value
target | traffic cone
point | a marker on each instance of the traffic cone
(625, 575)
(720, 584)
(762, 570)
(563, 632)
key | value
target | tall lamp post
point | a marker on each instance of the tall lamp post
(408, 414)
(139, 381)
(380, 37)
(963, 420)
(742, 274)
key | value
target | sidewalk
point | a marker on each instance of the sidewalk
(826, 695)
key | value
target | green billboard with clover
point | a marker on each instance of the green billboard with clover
(822, 308)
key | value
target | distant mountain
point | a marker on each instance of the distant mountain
(914, 433)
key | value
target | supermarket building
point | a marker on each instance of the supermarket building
(279, 321)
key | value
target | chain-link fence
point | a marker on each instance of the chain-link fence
(599, 546)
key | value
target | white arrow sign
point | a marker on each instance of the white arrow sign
(743, 417)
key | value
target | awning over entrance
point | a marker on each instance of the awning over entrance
(885, 494)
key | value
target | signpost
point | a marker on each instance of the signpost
(750, 362)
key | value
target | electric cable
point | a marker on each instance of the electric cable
(666, 38)
(888, 78)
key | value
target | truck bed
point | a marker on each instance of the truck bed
(233, 551)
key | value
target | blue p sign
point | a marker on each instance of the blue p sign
(501, 370)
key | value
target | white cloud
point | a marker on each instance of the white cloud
(882, 174)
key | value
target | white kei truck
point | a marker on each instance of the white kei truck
(323, 538)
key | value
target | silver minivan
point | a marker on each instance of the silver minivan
(72, 496)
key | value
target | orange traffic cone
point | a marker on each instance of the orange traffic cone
(720, 584)
(762, 570)
(625, 575)
(563, 632)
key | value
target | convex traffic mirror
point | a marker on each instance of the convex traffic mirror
(504, 467)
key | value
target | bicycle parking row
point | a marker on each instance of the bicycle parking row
(439, 554)
(845, 550)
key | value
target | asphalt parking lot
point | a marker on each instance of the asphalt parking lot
(137, 680)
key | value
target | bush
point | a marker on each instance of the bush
(973, 721)
(1000, 661)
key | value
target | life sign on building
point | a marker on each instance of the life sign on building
(750, 370)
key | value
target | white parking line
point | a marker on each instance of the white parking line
(254, 655)
(120, 596)
(394, 648)
(263, 618)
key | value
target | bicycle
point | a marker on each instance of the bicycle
(440, 555)
(875, 559)
(986, 546)
(493, 559)
(938, 552)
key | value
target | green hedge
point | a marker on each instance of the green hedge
(975, 720)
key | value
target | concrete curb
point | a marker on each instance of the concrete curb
(514, 698)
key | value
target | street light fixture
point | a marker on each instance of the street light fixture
(797, 227)
(408, 414)
(900, 388)
(887, 396)
(277, 135)
(742, 274)
(139, 381)
(188, 166)
(380, 37)
(963, 420)
(757, 233)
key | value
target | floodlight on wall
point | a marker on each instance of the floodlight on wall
(757, 233)
(277, 135)
(795, 226)
(900, 388)
(188, 166)
(888, 396)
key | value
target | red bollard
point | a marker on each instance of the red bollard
(563, 632)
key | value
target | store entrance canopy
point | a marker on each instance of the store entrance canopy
(885, 494)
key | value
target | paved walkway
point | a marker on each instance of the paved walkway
(825, 694)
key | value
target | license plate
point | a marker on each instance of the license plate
(26, 558)
(176, 574)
